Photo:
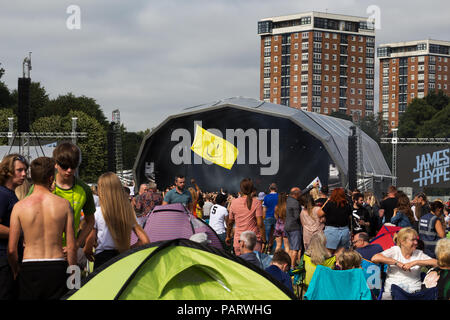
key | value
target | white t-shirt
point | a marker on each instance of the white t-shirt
(217, 218)
(104, 238)
(407, 280)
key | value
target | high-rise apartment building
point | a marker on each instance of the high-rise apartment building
(318, 62)
(410, 70)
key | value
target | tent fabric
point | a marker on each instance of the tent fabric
(174, 221)
(327, 284)
(385, 237)
(331, 131)
(179, 269)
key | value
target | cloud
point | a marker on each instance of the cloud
(152, 58)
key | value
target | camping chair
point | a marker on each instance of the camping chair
(328, 284)
(399, 294)
(264, 259)
(375, 275)
(298, 275)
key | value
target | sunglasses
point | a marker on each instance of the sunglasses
(21, 159)
(65, 167)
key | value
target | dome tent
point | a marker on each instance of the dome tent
(179, 270)
(308, 143)
(174, 221)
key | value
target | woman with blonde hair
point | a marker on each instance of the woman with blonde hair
(280, 216)
(440, 276)
(317, 254)
(404, 262)
(114, 221)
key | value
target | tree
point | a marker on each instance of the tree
(93, 148)
(437, 100)
(63, 104)
(438, 126)
(417, 112)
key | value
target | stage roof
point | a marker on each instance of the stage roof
(332, 132)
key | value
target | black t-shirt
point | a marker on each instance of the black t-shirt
(7, 201)
(337, 216)
(359, 214)
(388, 205)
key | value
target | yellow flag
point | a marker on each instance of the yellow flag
(214, 148)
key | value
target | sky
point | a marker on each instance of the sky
(151, 59)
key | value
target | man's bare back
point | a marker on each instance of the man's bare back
(43, 217)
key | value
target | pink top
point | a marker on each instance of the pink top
(245, 219)
(311, 225)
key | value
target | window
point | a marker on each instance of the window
(295, 67)
(295, 56)
(413, 68)
(275, 48)
(305, 45)
(334, 57)
(326, 56)
(305, 35)
(327, 45)
(326, 67)
(353, 49)
(295, 46)
(304, 56)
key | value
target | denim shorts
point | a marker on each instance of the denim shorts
(337, 237)
(295, 239)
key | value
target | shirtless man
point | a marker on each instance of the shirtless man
(42, 217)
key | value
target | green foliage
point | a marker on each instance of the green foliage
(63, 104)
(93, 148)
(426, 118)
(4, 123)
(341, 115)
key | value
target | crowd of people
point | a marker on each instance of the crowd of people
(334, 229)
(57, 220)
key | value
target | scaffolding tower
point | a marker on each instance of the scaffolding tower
(117, 143)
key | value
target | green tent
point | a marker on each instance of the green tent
(179, 270)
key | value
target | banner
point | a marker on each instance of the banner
(423, 166)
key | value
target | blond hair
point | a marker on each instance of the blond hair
(314, 192)
(317, 249)
(349, 259)
(116, 209)
(22, 190)
(403, 233)
(443, 253)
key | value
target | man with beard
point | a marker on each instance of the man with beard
(179, 194)
(360, 215)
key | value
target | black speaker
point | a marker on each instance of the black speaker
(23, 111)
(352, 160)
